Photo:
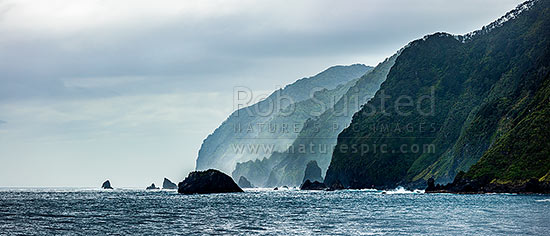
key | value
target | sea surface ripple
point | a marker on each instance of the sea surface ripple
(263, 211)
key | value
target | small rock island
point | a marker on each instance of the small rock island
(152, 187)
(106, 185)
(312, 172)
(209, 181)
(244, 183)
(167, 184)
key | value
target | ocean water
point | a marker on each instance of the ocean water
(262, 211)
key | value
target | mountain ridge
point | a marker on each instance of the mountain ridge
(216, 151)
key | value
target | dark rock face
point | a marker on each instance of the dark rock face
(106, 185)
(167, 184)
(244, 183)
(209, 181)
(152, 187)
(308, 185)
(337, 185)
(431, 185)
(313, 172)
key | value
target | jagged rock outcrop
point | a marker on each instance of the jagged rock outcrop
(167, 184)
(244, 183)
(209, 181)
(152, 187)
(336, 186)
(431, 185)
(308, 185)
(313, 172)
(106, 185)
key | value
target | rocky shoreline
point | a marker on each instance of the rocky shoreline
(466, 186)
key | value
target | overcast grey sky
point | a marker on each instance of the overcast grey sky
(127, 90)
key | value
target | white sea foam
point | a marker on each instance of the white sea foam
(363, 190)
(401, 190)
(543, 200)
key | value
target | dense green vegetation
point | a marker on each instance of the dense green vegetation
(490, 101)
(523, 152)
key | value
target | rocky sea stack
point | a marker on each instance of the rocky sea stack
(308, 185)
(313, 172)
(244, 183)
(106, 185)
(167, 184)
(209, 181)
(152, 187)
